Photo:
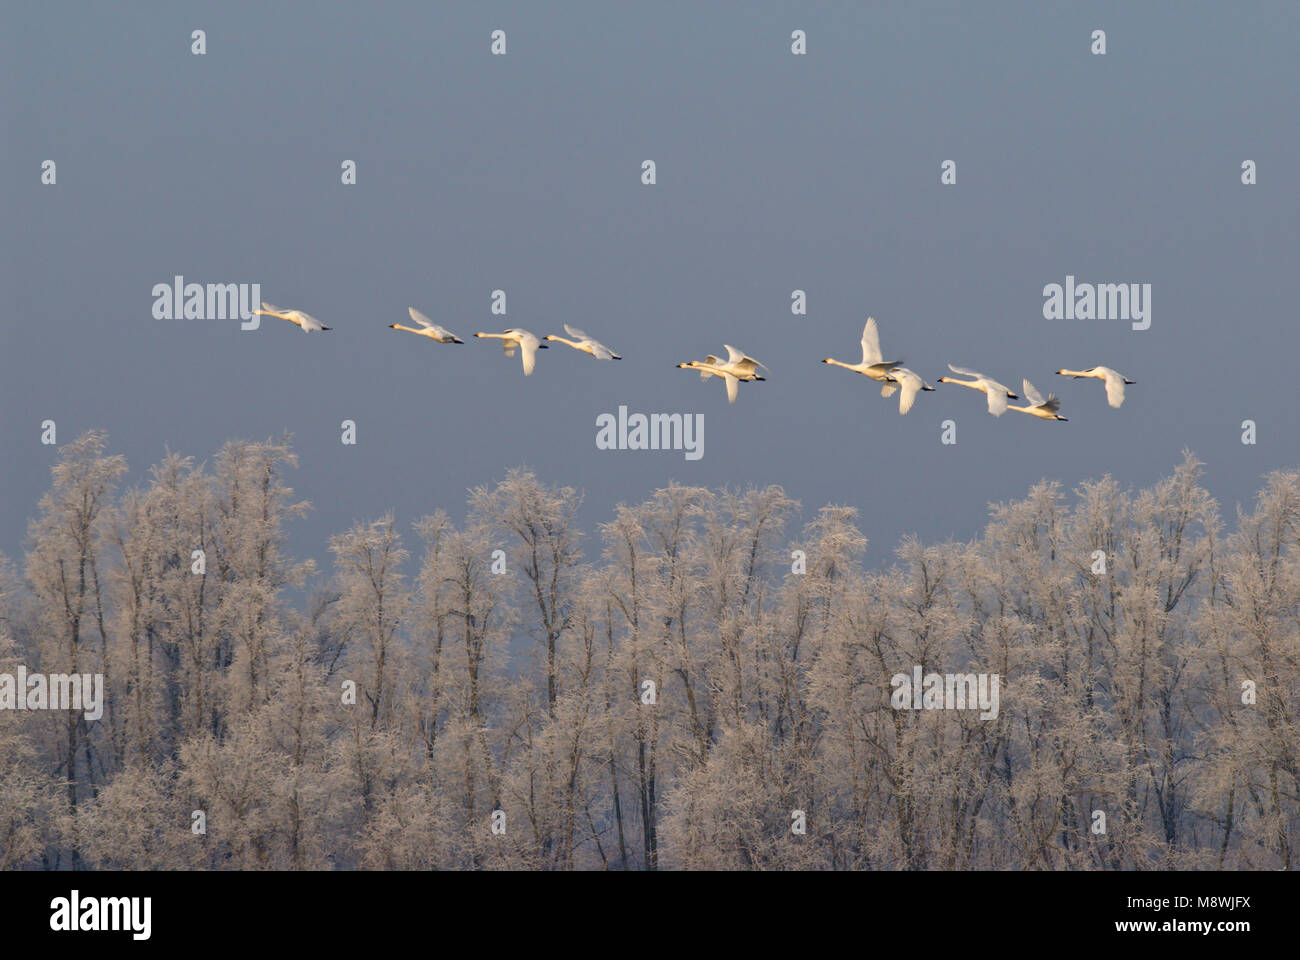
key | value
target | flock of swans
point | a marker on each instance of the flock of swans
(895, 376)
(740, 368)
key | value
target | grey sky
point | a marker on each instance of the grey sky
(775, 172)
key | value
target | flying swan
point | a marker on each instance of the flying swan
(738, 367)
(518, 339)
(585, 343)
(996, 392)
(427, 328)
(873, 365)
(1114, 382)
(1038, 407)
(305, 321)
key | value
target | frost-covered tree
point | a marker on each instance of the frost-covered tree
(65, 567)
(708, 692)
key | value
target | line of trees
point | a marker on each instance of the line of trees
(662, 695)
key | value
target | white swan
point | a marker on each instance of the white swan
(714, 370)
(738, 365)
(996, 392)
(1038, 407)
(519, 339)
(305, 321)
(873, 365)
(911, 383)
(1114, 382)
(427, 328)
(585, 343)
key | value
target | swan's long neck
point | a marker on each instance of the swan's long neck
(571, 343)
(398, 326)
(841, 363)
(1078, 373)
(973, 384)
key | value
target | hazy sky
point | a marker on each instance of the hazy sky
(775, 172)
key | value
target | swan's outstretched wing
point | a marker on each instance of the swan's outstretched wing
(741, 360)
(1031, 393)
(705, 374)
(965, 372)
(1114, 389)
(271, 308)
(421, 319)
(887, 388)
(1052, 403)
(871, 343)
(911, 384)
(733, 387)
(598, 349)
(997, 395)
(528, 349)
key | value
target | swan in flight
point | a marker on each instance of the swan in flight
(305, 321)
(738, 364)
(711, 367)
(585, 343)
(996, 392)
(873, 365)
(518, 339)
(1114, 382)
(1038, 407)
(427, 328)
(911, 383)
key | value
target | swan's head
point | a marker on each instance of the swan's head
(688, 363)
(549, 336)
(827, 360)
(392, 326)
(1060, 371)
